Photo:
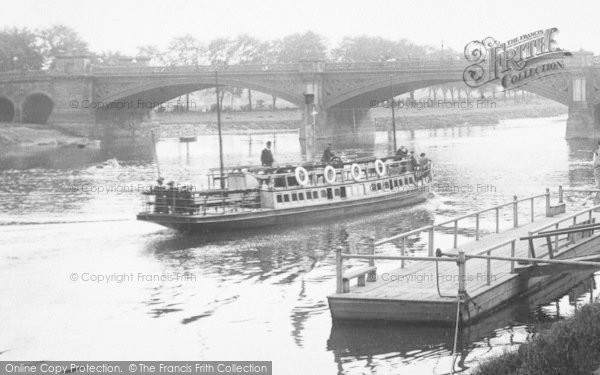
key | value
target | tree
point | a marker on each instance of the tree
(307, 46)
(60, 40)
(184, 50)
(19, 50)
(157, 57)
(108, 58)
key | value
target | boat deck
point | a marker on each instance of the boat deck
(411, 293)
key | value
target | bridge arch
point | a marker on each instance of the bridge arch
(378, 89)
(160, 91)
(37, 108)
(7, 110)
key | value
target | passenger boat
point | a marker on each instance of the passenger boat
(252, 196)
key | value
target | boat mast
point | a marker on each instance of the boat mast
(221, 179)
(155, 154)
(393, 113)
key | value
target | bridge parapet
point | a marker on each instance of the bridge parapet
(396, 65)
(109, 70)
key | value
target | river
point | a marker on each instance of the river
(81, 279)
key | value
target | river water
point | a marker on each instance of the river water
(80, 279)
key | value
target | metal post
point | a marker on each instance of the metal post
(547, 202)
(497, 220)
(512, 255)
(455, 234)
(403, 251)
(372, 275)
(221, 180)
(477, 227)
(489, 268)
(431, 233)
(461, 261)
(338, 269)
(515, 212)
(532, 213)
(560, 194)
(392, 105)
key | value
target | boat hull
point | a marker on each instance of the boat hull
(288, 216)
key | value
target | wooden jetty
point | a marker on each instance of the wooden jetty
(474, 279)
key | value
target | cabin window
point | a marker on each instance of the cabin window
(308, 195)
(386, 185)
(279, 199)
(391, 184)
(323, 193)
(395, 183)
(294, 197)
(410, 180)
(373, 187)
(336, 192)
(301, 196)
(379, 186)
(315, 195)
(286, 198)
(291, 180)
(279, 181)
(343, 192)
(329, 193)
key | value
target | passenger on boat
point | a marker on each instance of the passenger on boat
(424, 164)
(183, 200)
(266, 158)
(414, 163)
(401, 153)
(170, 196)
(160, 201)
(327, 154)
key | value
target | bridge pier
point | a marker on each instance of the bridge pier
(582, 123)
(344, 128)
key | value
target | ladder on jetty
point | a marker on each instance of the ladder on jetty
(484, 273)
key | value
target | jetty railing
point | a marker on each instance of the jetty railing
(561, 239)
(562, 191)
(430, 229)
(574, 226)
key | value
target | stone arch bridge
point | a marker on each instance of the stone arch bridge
(334, 97)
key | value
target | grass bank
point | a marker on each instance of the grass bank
(569, 347)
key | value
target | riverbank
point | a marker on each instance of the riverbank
(37, 135)
(571, 346)
(408, 117)
(413, 117)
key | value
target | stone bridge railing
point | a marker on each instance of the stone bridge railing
(303, 66)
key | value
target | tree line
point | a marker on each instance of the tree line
(25, 49)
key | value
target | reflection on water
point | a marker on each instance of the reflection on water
(257, 294)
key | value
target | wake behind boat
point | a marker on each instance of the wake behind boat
(261, 196)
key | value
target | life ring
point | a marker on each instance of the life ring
(379, 168)
(301, 176)
(355, 171)
(329, 174)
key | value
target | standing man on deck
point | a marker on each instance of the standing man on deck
(266, 158)
(327, 154)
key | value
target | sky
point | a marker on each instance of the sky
(123, 25)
